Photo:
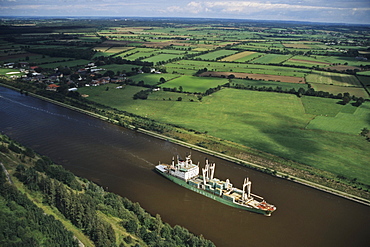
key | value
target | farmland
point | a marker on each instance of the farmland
(276, 88)
(194, 85)
(337, 79)
(263, 77)
(241, 56)
(212, 56)
(271, 59)
(277, 122)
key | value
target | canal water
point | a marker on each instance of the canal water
(123, 161)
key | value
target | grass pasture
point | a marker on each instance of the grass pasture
(365, 80)
(344, 80)
(113, 97)
(262, 77)
(139, 53)
(296, 45)
(121, 68)
(161, 57)
(267, 84)
(270, 122)
(152, 79)
(194, 84)
(171, 96)
(343, 122)
(237, 68)
(357, 91)
(72, 63)
(351, 61)
(213, 56)
(271, 59)
(321, 106)
(10, 73)
(364, 73)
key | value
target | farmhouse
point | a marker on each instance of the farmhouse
(52, 87)
(100, 81)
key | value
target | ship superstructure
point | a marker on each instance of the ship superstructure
(186, 174)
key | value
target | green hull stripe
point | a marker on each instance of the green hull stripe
(212, 196)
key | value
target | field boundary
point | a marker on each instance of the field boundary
(363, 85)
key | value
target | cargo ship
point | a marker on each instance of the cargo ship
(186, 174)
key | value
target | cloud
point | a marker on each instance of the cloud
(311, 10)
(356, 11)
(244, 6)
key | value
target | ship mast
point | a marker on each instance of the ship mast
(205, 173)
(212, 170)
(247, 184)
(208, 171)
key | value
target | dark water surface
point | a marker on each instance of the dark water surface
(123, 161)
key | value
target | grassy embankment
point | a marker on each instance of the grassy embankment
(270, 122)
(273, 123)
(112, 220)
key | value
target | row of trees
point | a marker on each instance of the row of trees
(83, 208)
(78, 53)
(345, 97)
(22, 223)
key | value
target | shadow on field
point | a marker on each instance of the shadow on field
(286, 138)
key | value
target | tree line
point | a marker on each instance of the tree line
(22, 223)
(83, 205)
(344, 97)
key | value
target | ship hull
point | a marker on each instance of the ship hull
(211, 195)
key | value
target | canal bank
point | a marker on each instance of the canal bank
(242, 162)
(123, 161)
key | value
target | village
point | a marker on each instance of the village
(52, 80)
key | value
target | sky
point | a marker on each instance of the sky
(332, 11)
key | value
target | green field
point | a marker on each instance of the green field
(271, 122)
(77, 62)
(249, 57)
(267, 84)
(194, 84)
(10, 72)
(139, 53)
(351, 61)
(161, 58)
(345, 121)
(215, 55)
(367, 73)
(193, 66)
(152, 79)
(365, 80)
(314, 131)
(121, 68)
(38, 59)
(321, 106)
(357, 91)
(271, 59)
(308, 61)
(336, 79)
(113, 97)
